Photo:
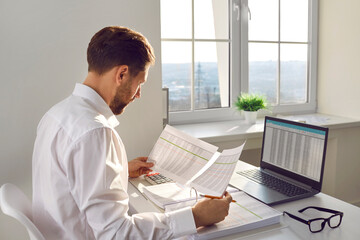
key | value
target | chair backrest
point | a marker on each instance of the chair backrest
(14, 203)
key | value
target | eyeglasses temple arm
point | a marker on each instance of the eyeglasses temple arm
(320, 209)
(297, 218)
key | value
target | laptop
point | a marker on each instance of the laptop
(292, 163)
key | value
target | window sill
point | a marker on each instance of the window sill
(224, 131)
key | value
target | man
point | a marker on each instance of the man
(80, 168)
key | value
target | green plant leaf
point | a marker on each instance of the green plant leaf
(251, 102)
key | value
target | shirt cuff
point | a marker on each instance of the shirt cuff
(182, 222)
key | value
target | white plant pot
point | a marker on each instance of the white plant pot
(250, 117)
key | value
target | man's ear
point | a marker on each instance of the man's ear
(122, 74)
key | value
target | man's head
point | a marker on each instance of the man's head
(115, 46)
(124, 56)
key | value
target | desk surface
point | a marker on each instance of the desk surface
(288, 228)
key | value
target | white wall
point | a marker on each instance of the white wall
(338, 91)
(42, 55)
(341, 176)
(339, 57)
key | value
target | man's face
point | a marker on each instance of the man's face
(127, 92)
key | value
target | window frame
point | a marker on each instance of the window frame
(239, 65)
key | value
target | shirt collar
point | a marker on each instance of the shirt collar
(87, 92)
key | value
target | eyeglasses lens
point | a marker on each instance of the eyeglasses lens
(334, 221)
(317, 225)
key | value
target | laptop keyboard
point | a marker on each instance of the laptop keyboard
(272, 182)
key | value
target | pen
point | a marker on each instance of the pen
(213, 197)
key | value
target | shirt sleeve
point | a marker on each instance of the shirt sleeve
(98, 177)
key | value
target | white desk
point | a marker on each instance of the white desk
(288, 228)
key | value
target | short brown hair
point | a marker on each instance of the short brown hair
(113, 46)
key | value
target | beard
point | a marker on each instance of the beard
(117, 106)
(121, 100)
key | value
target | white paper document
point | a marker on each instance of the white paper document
(246, 214)
(216, 178)
(170, 193)
(193, 162)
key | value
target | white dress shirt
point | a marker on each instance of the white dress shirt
(80, 177)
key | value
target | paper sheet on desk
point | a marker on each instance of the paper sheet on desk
(246, 214)
(193, 162)
(170, 193)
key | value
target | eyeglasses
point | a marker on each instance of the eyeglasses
(318, 224)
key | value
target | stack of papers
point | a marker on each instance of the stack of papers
(246, 214)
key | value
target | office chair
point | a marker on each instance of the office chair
(14, 203)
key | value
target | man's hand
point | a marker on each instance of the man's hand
(210, 211)
(139, 166)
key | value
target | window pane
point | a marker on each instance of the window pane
(211, 19)
(176, 74)
(294, 20)
(293, 73)
(211, 83)
(263, 59)
(264, 20)
(176, 18)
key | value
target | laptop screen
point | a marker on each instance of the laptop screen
(294, 148)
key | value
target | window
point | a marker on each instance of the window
(212, 50)
(282, 53)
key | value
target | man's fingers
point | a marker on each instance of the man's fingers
(148, 165)
(145, 165)
(228, 197)
(143, 159)
(145, 171)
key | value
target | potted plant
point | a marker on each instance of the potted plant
(250, 104)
